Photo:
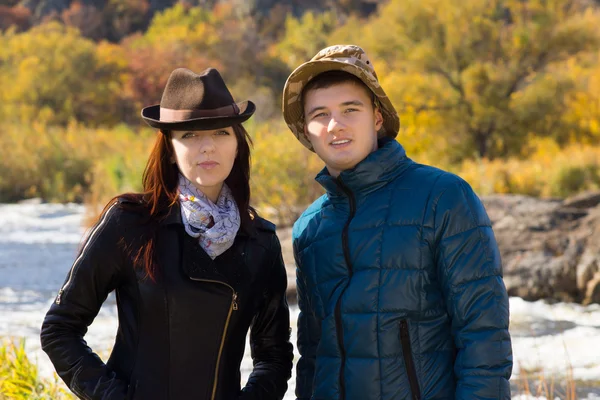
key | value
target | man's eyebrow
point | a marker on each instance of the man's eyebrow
(344, 104)
(353, 103)
(317, 108)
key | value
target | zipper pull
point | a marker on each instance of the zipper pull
(60, 292)
(235, 304)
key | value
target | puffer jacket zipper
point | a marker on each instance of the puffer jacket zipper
(408, 360)
(92, 236)
(338, 306)
(232, 307)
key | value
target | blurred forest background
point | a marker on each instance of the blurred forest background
(505, 93)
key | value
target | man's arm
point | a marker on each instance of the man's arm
(470, 271)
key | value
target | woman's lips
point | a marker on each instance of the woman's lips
(208, 164)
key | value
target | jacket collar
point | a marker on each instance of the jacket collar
(375, 171)
(173, 216)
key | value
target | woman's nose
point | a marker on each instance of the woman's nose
(207, 144)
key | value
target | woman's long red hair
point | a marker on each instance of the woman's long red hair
(160, 183)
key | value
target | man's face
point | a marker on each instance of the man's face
(342, 124)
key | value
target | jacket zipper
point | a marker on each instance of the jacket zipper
(408, 360)
(338, 307)
(232, 307)
(88, 242)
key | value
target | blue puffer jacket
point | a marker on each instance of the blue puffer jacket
(400, 287)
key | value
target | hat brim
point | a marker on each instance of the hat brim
(293, 110)
(151, 115)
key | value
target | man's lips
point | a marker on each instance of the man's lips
(340, 143)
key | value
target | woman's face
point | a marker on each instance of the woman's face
(205, 158)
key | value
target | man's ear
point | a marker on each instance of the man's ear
(306, 135)
(378, 119)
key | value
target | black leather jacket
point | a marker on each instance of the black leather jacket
(182, 336)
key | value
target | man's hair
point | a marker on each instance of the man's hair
(328, 79)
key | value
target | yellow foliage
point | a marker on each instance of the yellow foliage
(549, 172)
(466, 62)
(19, 378)
(52, 74)
(304, 37)
(60, 164)
(283, 171)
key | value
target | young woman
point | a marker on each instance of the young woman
(193, 267)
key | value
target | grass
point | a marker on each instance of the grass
(20, 379)
(533, 382)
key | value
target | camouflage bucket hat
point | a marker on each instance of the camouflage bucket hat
(347, 58)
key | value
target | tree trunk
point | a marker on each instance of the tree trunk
(481, 140)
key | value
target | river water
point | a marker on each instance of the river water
(38, 243)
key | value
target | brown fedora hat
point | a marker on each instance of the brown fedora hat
(193, 101)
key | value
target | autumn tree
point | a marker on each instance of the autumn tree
(304, 37)
(51, 73)
(491, 71)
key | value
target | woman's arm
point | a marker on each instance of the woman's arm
(94, 274)
(272, 352)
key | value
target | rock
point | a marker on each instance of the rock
(583, 200)
(549, 248)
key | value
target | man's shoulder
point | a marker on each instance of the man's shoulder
(447, 190)
(429, 178)
(311, 213)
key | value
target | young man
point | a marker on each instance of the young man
(399, 276)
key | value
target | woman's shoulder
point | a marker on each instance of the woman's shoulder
(265, 233)
(264, 225)
(124, 209)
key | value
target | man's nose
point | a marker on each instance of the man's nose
(335, 124)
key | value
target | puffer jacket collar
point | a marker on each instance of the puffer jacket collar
(375, 171)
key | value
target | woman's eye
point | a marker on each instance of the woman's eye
(222, 133)
(188, 135)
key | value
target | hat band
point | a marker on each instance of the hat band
(170, 115)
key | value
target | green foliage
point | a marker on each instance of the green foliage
(19, 378)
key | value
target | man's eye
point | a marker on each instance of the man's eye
(322, 114)
(351, 110)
